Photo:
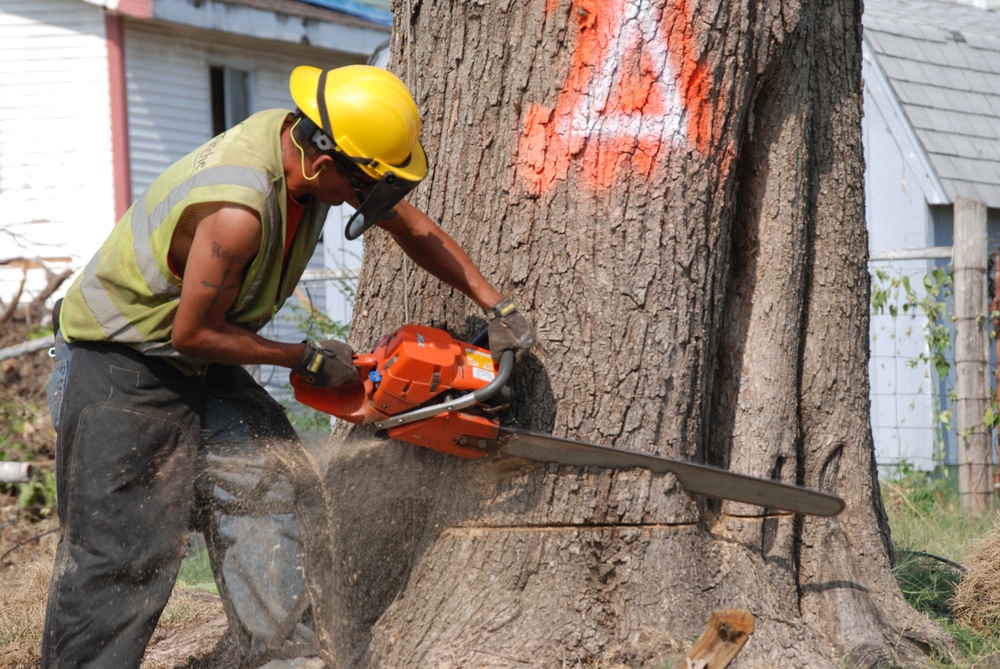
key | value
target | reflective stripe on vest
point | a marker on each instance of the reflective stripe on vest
(130, 294)
(114, 323)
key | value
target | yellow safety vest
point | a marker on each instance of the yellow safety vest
(128, 293)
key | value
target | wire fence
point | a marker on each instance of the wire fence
(905, 390)
(912, 363)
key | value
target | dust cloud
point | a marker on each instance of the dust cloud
(377, 505)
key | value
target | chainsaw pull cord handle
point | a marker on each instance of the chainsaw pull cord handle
(504, 371)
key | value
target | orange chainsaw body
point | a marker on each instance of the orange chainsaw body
(410, 367)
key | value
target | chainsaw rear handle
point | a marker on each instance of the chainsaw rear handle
(366, 363)
(463, 402)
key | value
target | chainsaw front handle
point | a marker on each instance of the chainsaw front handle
(469, 399)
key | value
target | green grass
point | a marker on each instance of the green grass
(927, 581)
(925, 514)
(196, 571)
(931, 537)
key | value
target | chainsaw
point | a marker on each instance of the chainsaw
(421, 386)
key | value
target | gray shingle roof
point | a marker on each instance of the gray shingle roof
(942, 61)
(307, 10)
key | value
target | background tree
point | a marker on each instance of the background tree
(673, 190)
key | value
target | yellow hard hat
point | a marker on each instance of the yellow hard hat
(369, 115)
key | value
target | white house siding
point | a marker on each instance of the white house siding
(345, 256)
(55, 136)
(169, 97)
(169, 103)
(903, 391)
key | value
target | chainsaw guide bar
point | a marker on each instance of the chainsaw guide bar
(700, 479)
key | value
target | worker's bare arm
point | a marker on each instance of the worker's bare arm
(437, 253)
(211, 251)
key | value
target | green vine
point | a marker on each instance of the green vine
(896, 295)
(992, 418)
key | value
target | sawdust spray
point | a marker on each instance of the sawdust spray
(379, 505)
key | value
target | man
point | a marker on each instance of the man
(159, 428)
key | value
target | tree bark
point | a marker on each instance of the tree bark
(673, 191)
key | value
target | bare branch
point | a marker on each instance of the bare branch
(9, 311)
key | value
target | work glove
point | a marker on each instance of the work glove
(325, 364)
(508, 329)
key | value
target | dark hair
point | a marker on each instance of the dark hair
(303, 130)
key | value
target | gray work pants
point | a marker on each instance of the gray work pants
(143, 454)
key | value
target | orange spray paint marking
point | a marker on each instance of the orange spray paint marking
(632, 93)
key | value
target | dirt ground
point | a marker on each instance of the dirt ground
(191, 632)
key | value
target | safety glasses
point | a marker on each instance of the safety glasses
(386, 194)
(346, 166)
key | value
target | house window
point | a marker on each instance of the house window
(230, 97)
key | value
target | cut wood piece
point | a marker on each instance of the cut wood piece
(727, 631)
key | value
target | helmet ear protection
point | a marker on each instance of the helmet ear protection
(321, 141)
(365, 118)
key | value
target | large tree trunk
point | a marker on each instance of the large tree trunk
(673, 191)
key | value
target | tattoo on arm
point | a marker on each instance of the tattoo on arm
(231, 263)
(218, 252)
(219, 288)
